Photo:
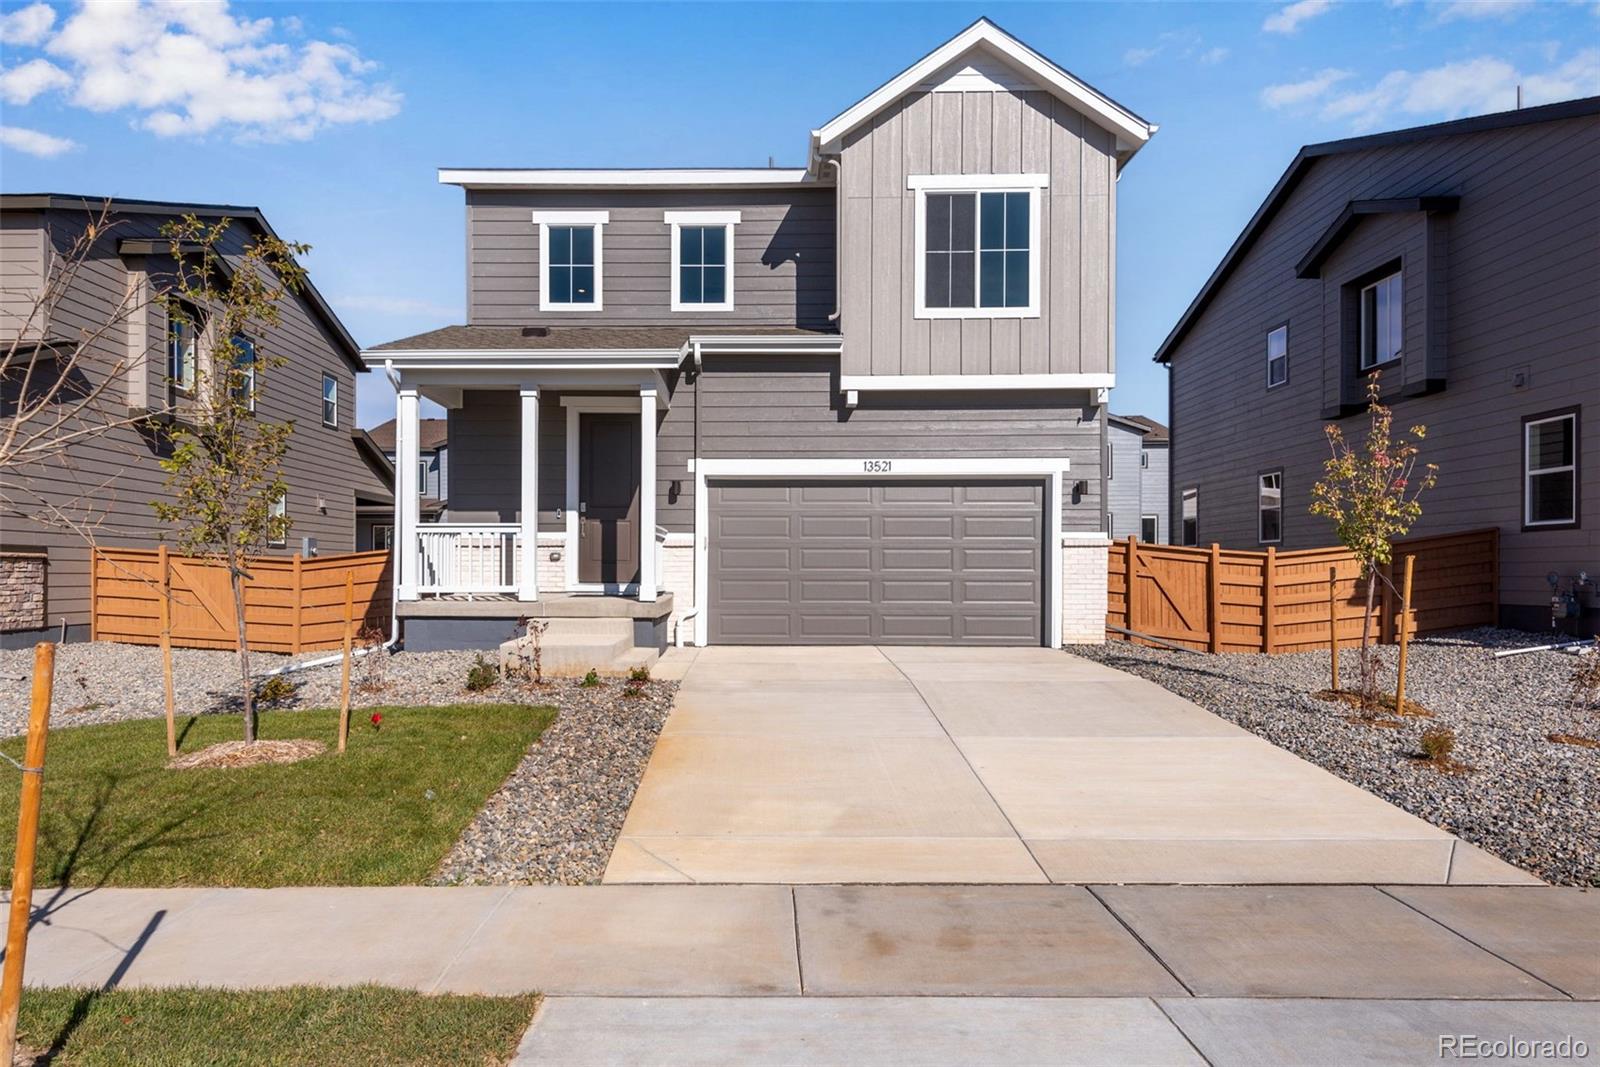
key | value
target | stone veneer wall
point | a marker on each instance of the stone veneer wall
(22, 591)
(1083, 589)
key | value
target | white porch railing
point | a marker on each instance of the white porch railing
(467, 557)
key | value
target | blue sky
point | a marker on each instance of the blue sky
(333, 117)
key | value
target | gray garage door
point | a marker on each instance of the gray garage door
(830, 562)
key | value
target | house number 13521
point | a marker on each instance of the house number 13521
(877, 466)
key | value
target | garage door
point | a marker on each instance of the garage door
(829, 562)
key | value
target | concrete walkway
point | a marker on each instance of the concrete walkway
(893, 974)
(1013, 765)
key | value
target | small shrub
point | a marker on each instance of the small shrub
(275, 690)
(1438, 743)
(482, 675)
(639, 674)
(375, 662)
(591, 679)
(1585, 680)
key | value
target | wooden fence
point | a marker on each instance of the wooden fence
(1220, 600)
(292, 604)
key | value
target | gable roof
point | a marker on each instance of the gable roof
(1131, 130)
(1310, 265)
(1154, 432)
(250, 215)
(431, 434)
(1307, 157)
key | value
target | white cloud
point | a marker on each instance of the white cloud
(1468, 87)
(1288, 19)
(19, 85)
(197, 68)
(28, 25)
(33, 142)
(1212, 56)
(1478, 10)
(1136, 57)
(1294, 94)
(397, 305)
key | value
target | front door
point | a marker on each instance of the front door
(608, 499)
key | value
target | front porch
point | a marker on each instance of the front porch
(485, 620)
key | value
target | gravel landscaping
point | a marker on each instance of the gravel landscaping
(1531, 801)
(555, 819)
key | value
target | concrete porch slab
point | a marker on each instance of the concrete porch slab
(953, 940)
(902, 1031)
(1311, 941)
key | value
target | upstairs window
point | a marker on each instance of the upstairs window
(702, 259)
(1550, 470)
(570, 248)
(1277, 356)
(1191, 516)
(242, 385)
(183, 344)
(1382, 314)
(1269, 507)
(330, 400)
(978, 247)
(1150, 528)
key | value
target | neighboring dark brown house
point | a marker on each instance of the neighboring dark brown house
(1462, 260)
(110, 480)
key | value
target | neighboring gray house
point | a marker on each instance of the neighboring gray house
(1136, 479)
(1462, 260)
(433, 455)
(105, 483)
(856, 401)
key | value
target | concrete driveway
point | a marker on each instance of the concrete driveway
(941, 765)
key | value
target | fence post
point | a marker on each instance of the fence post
(1405, 636)
(1333, 624)
(295, 639)
(166, 648)
(344, 680)
(44, 666)
(1214, 597)
(1269, 598)
(1494, 576)
(94, 593)
(1133, 582)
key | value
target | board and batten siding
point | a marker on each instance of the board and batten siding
(109, 480)
(783, 262)
(1521, 295)
(1003, 132)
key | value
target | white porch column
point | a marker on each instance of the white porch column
(407, 509)
(647, 493)
(528, 567)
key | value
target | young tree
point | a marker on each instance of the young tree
(1372, 496)
(225, 467)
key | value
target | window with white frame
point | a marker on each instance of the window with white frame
(1191, 515)
(1277, 356)
(1382, 315)
(280, 511)
(423, 465)
(183, 344)
(1149, 528)
(702, 259)
(977, 242)
(1144, 460)
(1550, 470)
(1269, 507)
(1111, 524)
(571, 261)
(382, 536)
(243, 377)
(330, 400)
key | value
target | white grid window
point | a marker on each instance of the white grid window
(1382, 315)
(1191, 516)
(330, 400)
(1269, 508)
(1550, 470)
(1277, 356)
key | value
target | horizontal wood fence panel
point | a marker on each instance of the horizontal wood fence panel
(291, 604)
(1224, 600)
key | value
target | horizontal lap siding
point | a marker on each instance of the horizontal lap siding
(783, 257)
(1153, 490)
(1123, 490)
(1522, 287)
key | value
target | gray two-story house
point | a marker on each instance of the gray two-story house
(861, 400)
(1460, 262)
(1136, 473)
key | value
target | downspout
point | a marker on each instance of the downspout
(837, 242)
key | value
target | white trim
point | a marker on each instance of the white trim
(575, 406)
(407, 505)
(529, 359)
(528, 535)
(1528, 471)
(1050, 470)
(1097, 106)
(503, 178)
(647, 495)
(727, 220)
(1284, 327)
(597, 219)
(964, 382)
(976, 184)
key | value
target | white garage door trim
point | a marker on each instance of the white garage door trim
(1050, 470)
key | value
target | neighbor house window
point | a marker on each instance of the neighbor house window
(1382, 312)
(382, 536)
(1111, 524)
(183, 342)
(702, 259)
(1550, 470)
(280, 510)
(1191, 516)
(1111, 461)
(330, 400)
(1144, 460)
(1278, 356)
(244, 367)
(1149, 528)
(570, 260)
(1269, 507)
(978, 248)
(422, 474)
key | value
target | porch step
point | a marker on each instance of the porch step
(570, 648)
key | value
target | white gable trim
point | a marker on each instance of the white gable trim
(1128, 127)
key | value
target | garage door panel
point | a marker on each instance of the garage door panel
(896, 562)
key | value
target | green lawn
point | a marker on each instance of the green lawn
(383, 814)
(300, 1025)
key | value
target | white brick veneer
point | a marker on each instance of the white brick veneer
(1083, 589)
(674, 573)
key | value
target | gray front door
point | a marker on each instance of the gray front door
(608, 499)
(902, 562)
